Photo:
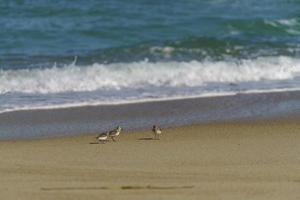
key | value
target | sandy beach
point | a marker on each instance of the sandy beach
(253, 160)
(221, 78)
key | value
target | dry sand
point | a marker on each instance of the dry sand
(214, 161)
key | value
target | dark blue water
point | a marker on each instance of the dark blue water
(64, 53)
(56, 31)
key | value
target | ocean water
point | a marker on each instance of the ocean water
(63, 53)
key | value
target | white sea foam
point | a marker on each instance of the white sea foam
(288, 22)
(72, 78)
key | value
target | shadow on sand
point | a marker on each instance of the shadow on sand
(99, 142)
(146, 138)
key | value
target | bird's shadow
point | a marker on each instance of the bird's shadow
(146, 138)
(98, 142)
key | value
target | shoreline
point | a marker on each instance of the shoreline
(83, 105)
(289, 120)
(240, 160)
(93, 119)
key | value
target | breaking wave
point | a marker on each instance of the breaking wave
(143, 74)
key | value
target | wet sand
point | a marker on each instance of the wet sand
(137, 116)
(241, 160)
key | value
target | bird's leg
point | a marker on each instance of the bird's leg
(113, 139)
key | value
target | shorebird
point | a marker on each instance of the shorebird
(157, 132)
(102, 137)
(115, 132)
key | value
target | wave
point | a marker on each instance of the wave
(184, 49)
(143, 74)
(291, 25)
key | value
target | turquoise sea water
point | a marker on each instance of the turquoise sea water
(64, 53)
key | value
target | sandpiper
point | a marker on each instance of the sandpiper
(102, 137)
(115, 132)
(157, 132)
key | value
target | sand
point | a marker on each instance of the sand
(255, 160)
(136, 116)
